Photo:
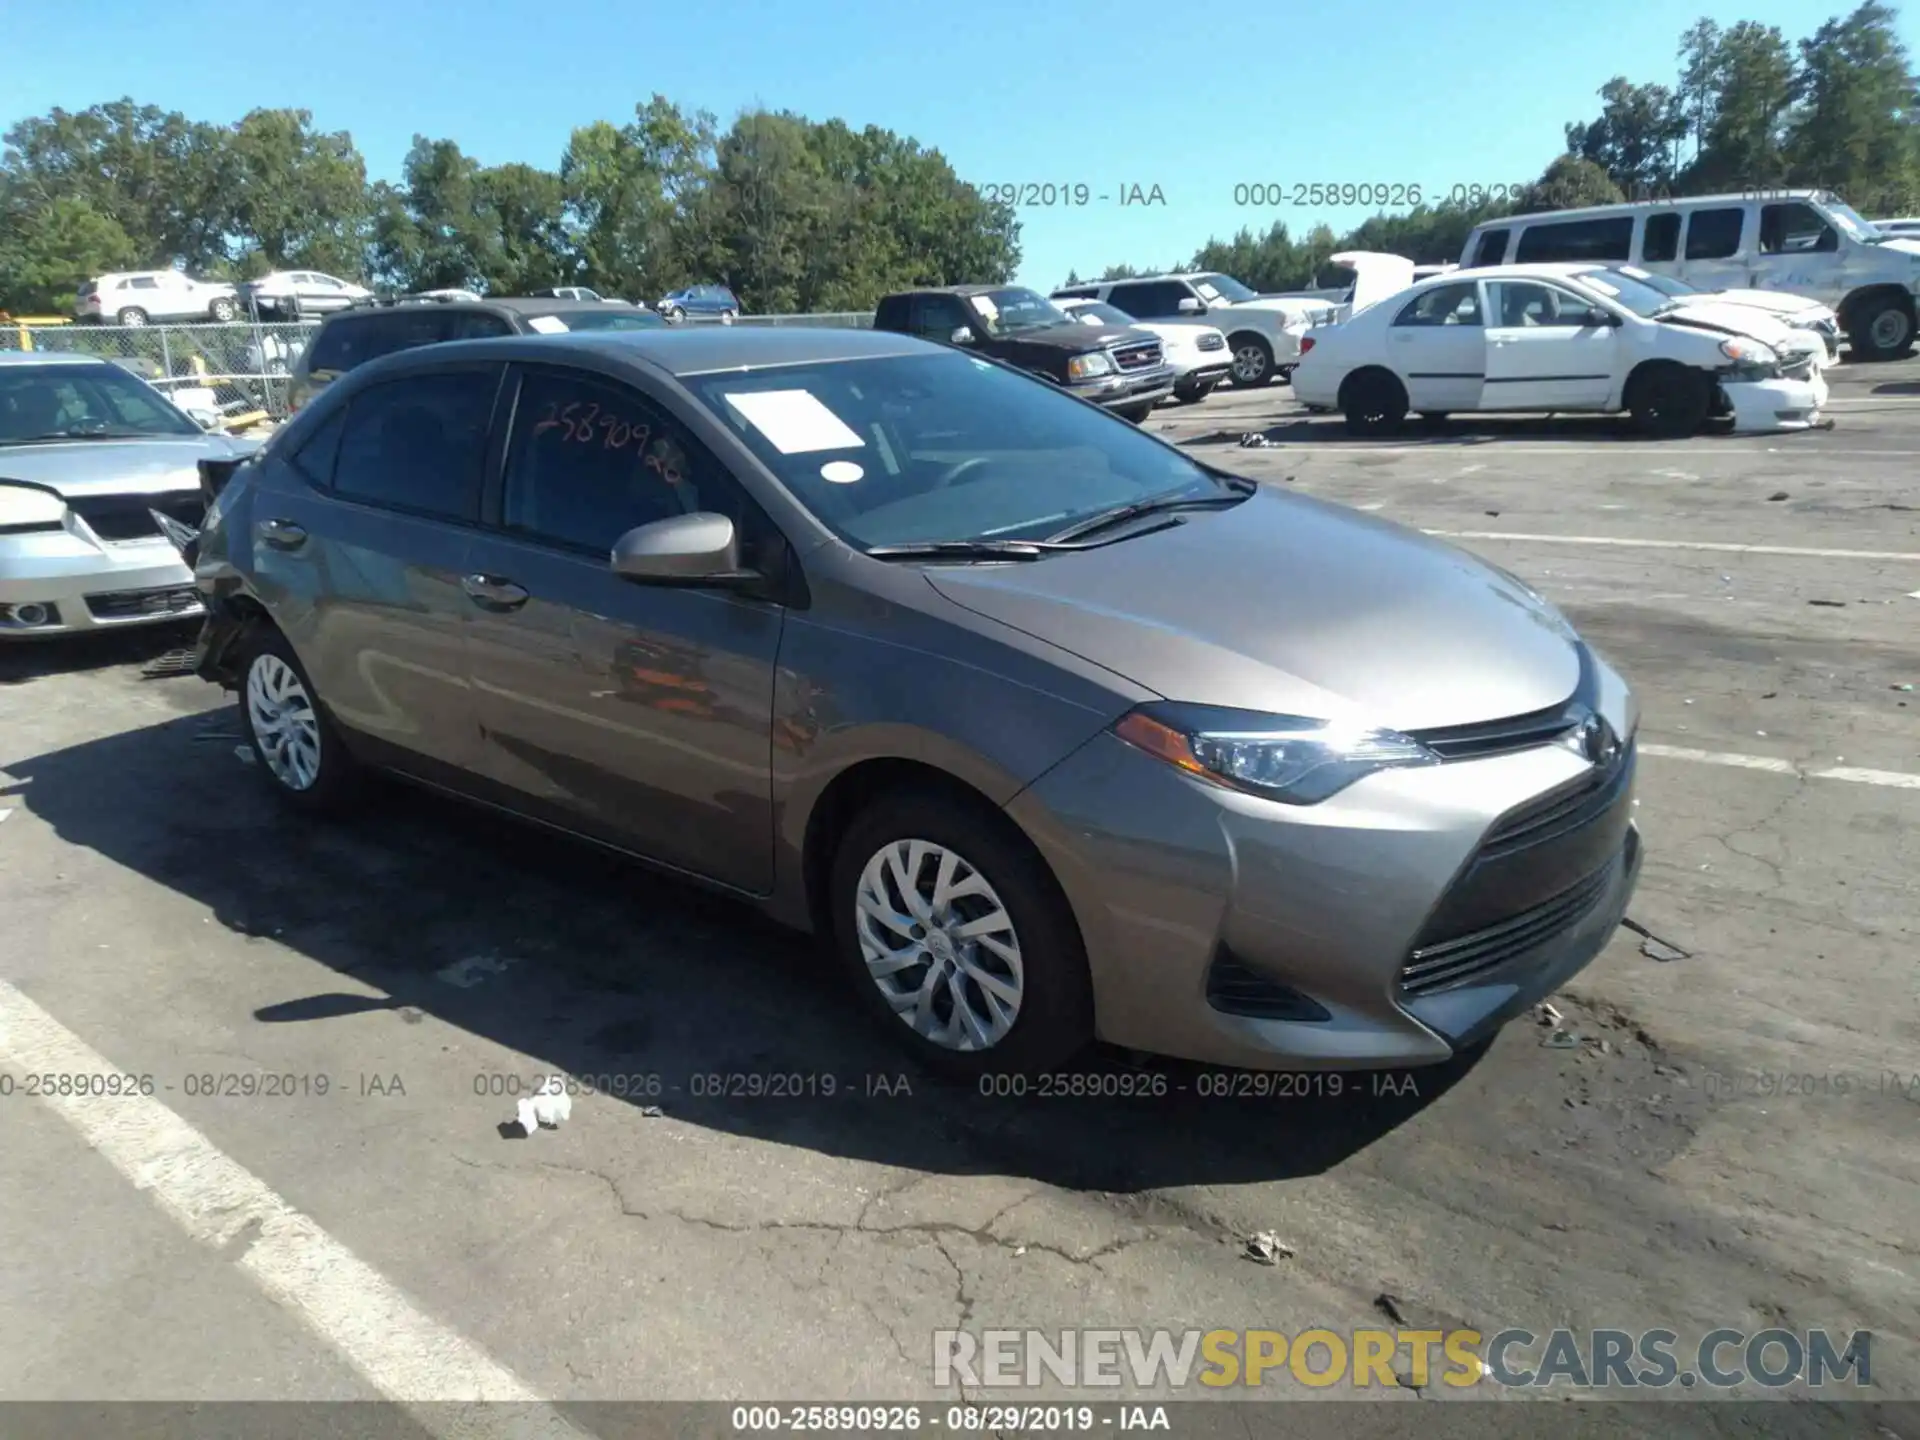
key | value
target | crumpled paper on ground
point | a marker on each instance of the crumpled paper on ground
(547, 1107)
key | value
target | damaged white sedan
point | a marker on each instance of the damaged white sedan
(1561, 339)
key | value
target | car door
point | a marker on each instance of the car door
(361, 561)
(1543, 351)
(1437, 346)
(639, 714)
(1716, 251)
(1798, 251)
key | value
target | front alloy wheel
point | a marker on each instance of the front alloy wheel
(286, 729)
(940, 945)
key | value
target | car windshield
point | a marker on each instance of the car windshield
(1097, 313)
(1222, 287)
(1665, 284)
(1626, 291)
(925, 448)
(1012, 310)
(72, 402)
(1849, 220)
(608, 319)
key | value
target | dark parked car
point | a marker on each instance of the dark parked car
(367, 331)
(1117, 366)
(1050, 728)
(700, 300)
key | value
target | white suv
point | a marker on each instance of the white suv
(133, 297)
(1263, 331)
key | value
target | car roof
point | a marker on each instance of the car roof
(49, 357)
(702, 350)
(1619, 207)
(1539, 270)
(961, 289)
(512, 304)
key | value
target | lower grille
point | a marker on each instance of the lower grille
(1137, 357)
(125, 517)
(1563, 810)
(1454, 963)
(1238, 989)
(128, 604)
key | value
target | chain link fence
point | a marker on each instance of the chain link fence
(239, 371)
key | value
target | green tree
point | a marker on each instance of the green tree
(1753, 93)
(1568, 183)
(628, 190)
(294, 197)
(47, 248)
(531, 250)
(1855, 128)
(1636, 139)
(436, 230)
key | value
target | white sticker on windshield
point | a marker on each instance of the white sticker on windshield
(546, 324)
(841, 472)
(794, 420)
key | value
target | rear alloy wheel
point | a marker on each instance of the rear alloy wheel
(1374, 402)
(294, 744)
(1252, 362)
(1881, 330)
(956, 940)
(675, 314)
(1669, 401)
(222, 311)
(133, 315)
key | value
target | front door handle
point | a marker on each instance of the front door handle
(282, 534)
(490, 592)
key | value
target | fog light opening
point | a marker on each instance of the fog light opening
(1237, 988)
(29, 616)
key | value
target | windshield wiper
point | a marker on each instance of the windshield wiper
(49, 436)
(1154, 505)
(966, 550)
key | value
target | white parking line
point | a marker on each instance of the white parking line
(1896, 779)
(408, 1356)
(1726, 547)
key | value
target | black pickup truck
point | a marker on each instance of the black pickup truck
(1115, 366)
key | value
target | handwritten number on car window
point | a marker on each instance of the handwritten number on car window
(615, 433)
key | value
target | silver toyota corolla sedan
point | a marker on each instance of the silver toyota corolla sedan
(1048, 728)
(87, 453)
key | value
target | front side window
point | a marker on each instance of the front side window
(1795, 229)
(1715, 234)
(936, 317)
(1525, 304)
(915, 448)
(1457, 304)
(79, 402)
(589, 460)
(419, 443)
(1216, 288)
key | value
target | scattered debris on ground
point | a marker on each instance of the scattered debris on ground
(1777, 495)
(1651, 945)
(467, 973)
(546, 1108)
(1267, 1248)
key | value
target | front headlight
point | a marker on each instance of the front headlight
(1749, 353)
(28, 507)
(1088, 367)
(1289, 758)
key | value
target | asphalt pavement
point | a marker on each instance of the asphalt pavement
(321, 1197)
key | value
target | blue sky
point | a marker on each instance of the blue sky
(1112, 95)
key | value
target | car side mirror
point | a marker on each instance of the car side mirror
(963, 335)
(1191, 306)
(697, 549)
(1597, 316)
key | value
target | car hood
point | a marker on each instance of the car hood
(118, 467)
(1777, 302)
(1296, 606)
(1731, 318)
(1293, 307)
(1074, 336)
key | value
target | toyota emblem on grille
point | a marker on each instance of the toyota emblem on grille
(1595, 739)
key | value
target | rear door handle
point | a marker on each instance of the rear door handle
(490, 592)
(282, 534)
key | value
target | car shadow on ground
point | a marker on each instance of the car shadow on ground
(592, 965)
(161, 651)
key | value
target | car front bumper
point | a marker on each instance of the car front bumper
(1122, 391)
(1210, 368)
(1783, 404)
(85, 586)
(1392, 925)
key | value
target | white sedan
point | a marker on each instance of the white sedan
(1198, 353)
(1562, 339)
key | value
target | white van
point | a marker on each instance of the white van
(1803, 242)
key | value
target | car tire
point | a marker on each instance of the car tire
(296, 749)
(1252, 362)
(1038, 962)
(132, 315)
(1669, 401)
(1881, 330)
(674, 314)
(1374, 402)
(1193, 394)
(1136, 414)
(1285, 372)
(222, 311)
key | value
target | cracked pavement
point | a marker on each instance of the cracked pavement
(806, 1246)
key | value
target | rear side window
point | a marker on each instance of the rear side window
(892, 314)
(315, 457)
(1492, 249)
(1714, 234)
(1152, 299)
(419, 443)
(1661, 240)
(1610, 238)
(1443, 305)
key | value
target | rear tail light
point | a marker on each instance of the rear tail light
(1306, 343)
